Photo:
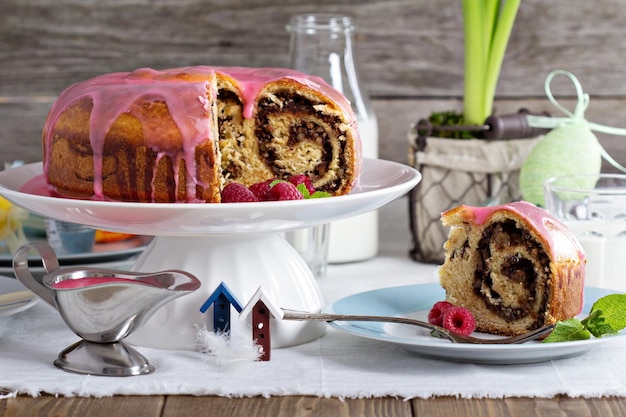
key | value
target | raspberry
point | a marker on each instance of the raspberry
(237, 193)
(435, 315)
(285, 191)
(459, 320)
(262, 190)
(302, 179)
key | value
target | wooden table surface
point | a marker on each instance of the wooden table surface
(294, 406)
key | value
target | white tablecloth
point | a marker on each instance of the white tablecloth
(338, 364)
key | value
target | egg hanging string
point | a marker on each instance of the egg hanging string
(570, 147)
(579, 112)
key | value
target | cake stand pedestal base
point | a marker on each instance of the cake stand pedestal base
(243, 262)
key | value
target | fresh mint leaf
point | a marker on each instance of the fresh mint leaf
(567, 331)
(307, 195)
(613, 311)
(303, 190)
(320, 194)
(606, 317)
(596, 323)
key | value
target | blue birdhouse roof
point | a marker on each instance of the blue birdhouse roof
(222, 290)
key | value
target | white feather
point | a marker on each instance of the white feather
(225, 349)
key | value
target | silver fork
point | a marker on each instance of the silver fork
(436, 330)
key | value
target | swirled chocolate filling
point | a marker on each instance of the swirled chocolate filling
(305, 128)
(512, 256)
(230, 127)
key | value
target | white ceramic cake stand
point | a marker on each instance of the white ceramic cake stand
(239, 244)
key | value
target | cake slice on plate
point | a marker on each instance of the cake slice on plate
(514, 266)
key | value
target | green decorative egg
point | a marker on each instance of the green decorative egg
(571, 148)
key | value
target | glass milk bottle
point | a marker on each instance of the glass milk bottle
(321, 44)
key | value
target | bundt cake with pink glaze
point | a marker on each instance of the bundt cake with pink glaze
(180, 135)
(514, 266)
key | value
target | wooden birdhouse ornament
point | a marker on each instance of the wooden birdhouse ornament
(222, 299)
(262, 309)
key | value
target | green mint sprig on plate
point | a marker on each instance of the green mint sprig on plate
(306, 194)
(607, 317)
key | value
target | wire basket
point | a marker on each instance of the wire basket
(455, 172)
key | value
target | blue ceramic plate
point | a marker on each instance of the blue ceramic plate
(416, 300)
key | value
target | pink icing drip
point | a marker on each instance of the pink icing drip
(36, 186)
(187, 111)
(252, 80)
(184, 90)
(544, 222)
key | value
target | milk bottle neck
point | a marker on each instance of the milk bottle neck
(322, 45)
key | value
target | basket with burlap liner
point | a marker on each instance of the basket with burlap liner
(475, 172)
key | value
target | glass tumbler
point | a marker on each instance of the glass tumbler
(593, 207)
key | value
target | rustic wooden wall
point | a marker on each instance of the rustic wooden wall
(410, 54)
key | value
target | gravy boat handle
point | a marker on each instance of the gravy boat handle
(50, 263)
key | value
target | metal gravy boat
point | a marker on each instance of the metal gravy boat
(102, 306)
